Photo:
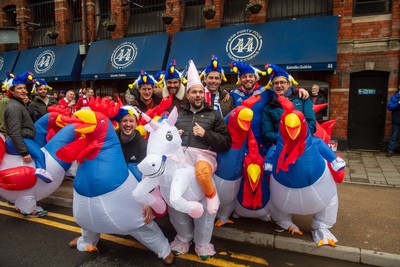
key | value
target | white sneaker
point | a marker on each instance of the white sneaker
(44, 175)
(338, 164)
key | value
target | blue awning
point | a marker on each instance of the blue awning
(7, 63)
(52, 63)
(296, 45)
(125, 58)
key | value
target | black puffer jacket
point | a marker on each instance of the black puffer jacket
(216, 137)
(19, 124)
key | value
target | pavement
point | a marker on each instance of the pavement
(368, 220)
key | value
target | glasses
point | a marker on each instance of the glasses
(280, 83)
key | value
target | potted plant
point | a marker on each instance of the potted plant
(109, 24)
(254, 7)
(52, 33)
(167, 18)
(209, 11)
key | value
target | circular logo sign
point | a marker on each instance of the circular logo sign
(1, 63)
(244, 45)
(124, 55)
(44, 61)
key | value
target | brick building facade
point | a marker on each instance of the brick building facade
(366, 44)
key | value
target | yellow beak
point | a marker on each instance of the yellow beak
(293, 125)
(89, 121)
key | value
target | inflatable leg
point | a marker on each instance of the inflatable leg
(204, 177)
(153, 238)
(284, 220)
(184, 228)
(322, 221)
(203, 228)
(88, 241)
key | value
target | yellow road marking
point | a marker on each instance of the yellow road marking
(246, 257)
(131, 243)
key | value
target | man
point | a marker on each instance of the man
(62, 94)
(394, 107)
(83, 102)
(145, 86)
(220, 99)
(132, 143)
(68, 101)
(318, 98)
(21, 131)
(173, 84)
(203, 133)
(248, 78)
(273, 111)
(38, 107)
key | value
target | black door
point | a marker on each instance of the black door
(367, 109)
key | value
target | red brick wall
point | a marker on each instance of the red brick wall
(379, 36)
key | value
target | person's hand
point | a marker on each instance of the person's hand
(198, 130)
(226, 97)
(147, 214)
(180, 131)
(303, 94)
(27, 159)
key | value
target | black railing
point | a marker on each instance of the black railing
(193, 19)
(75, 9)
(42, 19)
(235, 12)
(297, 9)
(145, 17)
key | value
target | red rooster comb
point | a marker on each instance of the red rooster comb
(108, 107)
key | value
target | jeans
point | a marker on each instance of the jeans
(394, 137)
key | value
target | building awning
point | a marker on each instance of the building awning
(52, 63)
(125, 58)
(7, 63)
(296, 45)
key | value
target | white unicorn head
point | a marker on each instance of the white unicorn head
(164, 137)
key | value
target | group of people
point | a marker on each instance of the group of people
(202, 106)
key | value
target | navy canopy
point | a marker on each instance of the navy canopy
(125, 58)
(7, 62)
(52, 63)
(296, 45)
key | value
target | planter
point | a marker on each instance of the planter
(254, 9)
(167, 19)
(111, 27)
(52, 35)
(209, 14)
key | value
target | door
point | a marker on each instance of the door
(367, 109)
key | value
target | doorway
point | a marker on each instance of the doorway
(367, 109)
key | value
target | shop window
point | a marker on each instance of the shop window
(296, 9)
(11, 23)
(371, 7)
(42, 19)
(103, 8)
(75, 13)
(235, 12)
(193, 19)
(145, 17)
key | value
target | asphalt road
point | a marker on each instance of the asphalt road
(44, 242)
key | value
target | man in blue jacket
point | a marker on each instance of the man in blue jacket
(394, 107)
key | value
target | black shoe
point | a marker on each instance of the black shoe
(69, 178)
(277, 228)
(389, 154)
